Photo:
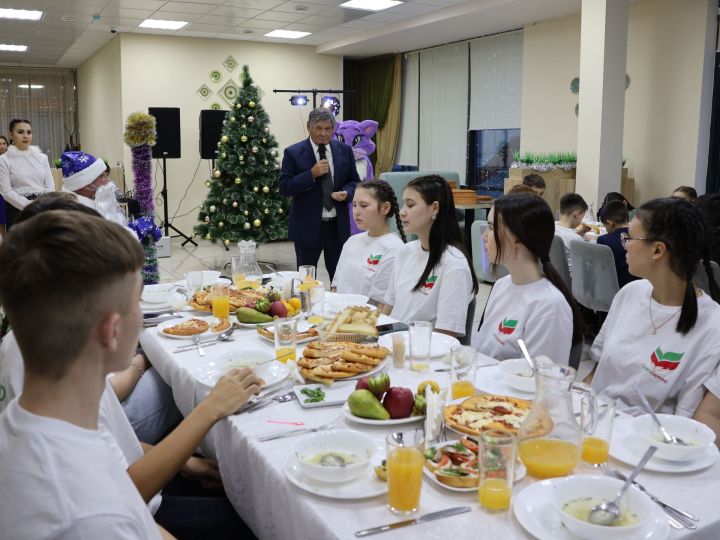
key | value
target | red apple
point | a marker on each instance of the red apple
(362, 384)
(399, 402)
(277, 309)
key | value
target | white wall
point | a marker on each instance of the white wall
(161, 71)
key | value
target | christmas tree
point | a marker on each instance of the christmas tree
(244, 202)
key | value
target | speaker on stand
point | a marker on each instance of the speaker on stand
(167, 124)
(211, 124)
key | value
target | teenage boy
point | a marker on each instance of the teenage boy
(535, 182)
(615, 216)
(570, 226)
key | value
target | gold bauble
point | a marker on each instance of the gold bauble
(273, 152)
(238, 180)
(208, 236)
(243, 138)
(245, 212)
(233, 119)
(221, 224)
(223, 155)
(266, 130)
(264, 140)
(212, 208)
(255, 189)
(218, 144)
(238, 105)
(267, 211)
(226, 242)
(225, 201)
(257, 223)
(224, 139)
(246, 226)
(216, 173)
(207, 219)
(266, 189)
(207, 183)
(241, 158)
(251, 104)
(266, 162)
(280, 211)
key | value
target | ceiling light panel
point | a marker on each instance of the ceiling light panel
(287, 34)
(370, 5)
(20, 14)
(161, 24)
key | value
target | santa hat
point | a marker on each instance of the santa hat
(80, 169)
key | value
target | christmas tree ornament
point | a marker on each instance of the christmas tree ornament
(208, 236)
(246, 226)
(277, 165)
(224, 122)
(273, 153)
(264, 140)
(226, 242)
(223, 155)
(266, 189)
(207, 183)
(266, 129)
(218, 144)
(267, 211)
(245, 212)
(241, 158)
(251, 104)
(266, 162)
(212, 209)
(244, 126)
(257, 223)
(221, 224)
(243, 138)
(238, 105)
(255, 149)
(225, 201)
(207, 219)
(235, 204)
(216, 173)
(233, 119)
(224, 139)
(238, 180)
(280, 211)
(251, 119)
(255, 189)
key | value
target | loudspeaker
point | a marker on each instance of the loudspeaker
(210, 132)
(168, 132)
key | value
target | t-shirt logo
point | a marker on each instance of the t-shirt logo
(666, 360)
(430, 282)
(507, 326)
(374, 259)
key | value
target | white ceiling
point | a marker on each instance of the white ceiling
(412, 25)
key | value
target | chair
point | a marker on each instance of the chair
(558, 258)
(484, 269)
(594, 279)
(465, 340)
(701, 279)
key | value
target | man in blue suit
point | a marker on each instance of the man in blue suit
(319, 174)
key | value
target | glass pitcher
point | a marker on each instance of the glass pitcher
(550, 438)
(246, 273)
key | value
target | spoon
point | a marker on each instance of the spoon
(608, 512)
(525, 352)
(667, 438)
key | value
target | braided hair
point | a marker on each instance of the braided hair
(530, 219)
(677, 223)
(445, 230)
(384, 193)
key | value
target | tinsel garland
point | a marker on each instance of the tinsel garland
(544, 167)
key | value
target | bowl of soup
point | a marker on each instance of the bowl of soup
(334, 456)
(697, 436)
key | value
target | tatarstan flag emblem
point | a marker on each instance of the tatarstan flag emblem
(430, 282)
(507, 326)
(666, 360)
(374, 259)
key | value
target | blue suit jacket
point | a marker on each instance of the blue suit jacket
(297, 181)
(612, 240)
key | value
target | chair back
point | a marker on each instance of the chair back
(465, 340)
(485, 270)
(558, 258)
(594, 279)
(701, 279)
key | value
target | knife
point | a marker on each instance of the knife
(422, 519)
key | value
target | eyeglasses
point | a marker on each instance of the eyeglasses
(625, 238)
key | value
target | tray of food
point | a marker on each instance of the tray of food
(326, 362)
(354, 323)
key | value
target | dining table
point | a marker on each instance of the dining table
(256, 474)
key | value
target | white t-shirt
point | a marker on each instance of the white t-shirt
(366, 265)
(669, 368)
(537, 313)
(568, 236)
(23, 172)
(445, 295)
(62, 481)
(113, 423)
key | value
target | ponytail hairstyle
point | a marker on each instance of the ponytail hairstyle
(689, 191)
(677, 223)
(530, 219)
(15, 121)
(384, 193)
(444, 230)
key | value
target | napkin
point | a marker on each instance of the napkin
(434, 414)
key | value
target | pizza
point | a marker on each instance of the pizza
(454, 464)
(191, 327)
(483, 412)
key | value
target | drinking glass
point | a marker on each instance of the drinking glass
(285, 333)
(244, 274)
(193, 282)
(462, 371)
(398, 350)
(497, 452)
(596, 444)
(307, 272)
(420, 333)
(317, 304)
(220, 298)
(405, 461)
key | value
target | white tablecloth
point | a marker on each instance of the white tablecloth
(253, 472)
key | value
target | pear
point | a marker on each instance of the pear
(364, 404)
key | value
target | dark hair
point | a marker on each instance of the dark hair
(444, 230)
(571, 202)
(384, 193)
(616, 211)
(15, 121)
(614, 196)
(530, 219)
(534, 180)
(691, 192)
(4, 138)
(54, 200)
(677, 223)
(520, 188)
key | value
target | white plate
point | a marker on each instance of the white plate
(534, 510)
(373, 371)
(274, 373)
(629, 448)
(173, 322)
(173, 301)
(364, 487)
(255, 325)
(439, 346)
(369, 422)
(337, 394)
(492, 380)
(520, 473)
(224, 281)
(160, 293)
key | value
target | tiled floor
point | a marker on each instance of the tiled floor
(207, 256)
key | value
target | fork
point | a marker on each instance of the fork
(196, 341)
(292, 432)
(676, 517)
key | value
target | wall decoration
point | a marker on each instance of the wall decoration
(575, 89)
(215, 76)
(204, 92)
(230, 63)
(216, 106)
(229, 92)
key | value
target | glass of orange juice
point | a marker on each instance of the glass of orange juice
(405, 461)
(462, 371)
(596, 444)
(285, 333)
(220, 299)
(497, 452)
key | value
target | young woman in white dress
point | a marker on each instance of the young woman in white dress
(433, 279)
(532, 303)
(367, 258)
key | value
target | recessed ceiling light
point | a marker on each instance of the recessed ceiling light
(287, 34)
(370, 5)
(163, 25)
(33, 86)
(13, 48)
(21, 14)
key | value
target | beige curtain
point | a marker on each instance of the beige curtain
(386, 137)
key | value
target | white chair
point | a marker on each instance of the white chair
(485, 270)
(594, 279)
(558, 258)
(701, 279)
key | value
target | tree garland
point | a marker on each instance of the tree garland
(140, 136)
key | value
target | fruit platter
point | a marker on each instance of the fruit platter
(376, 402)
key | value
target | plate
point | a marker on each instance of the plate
(368, 485)
(368, 422)
(439, 346)
(173, 322)
(520, 473)
(222, 280)
(337, 394)
(533, 507)
(629, 448)
(492, 380)
(302, 326)
(173, 301)
(157, 294)
(255, 325)
(274, 373)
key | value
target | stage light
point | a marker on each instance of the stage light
(298, 100)
(332, 103)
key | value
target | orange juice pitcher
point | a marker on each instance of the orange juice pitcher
(550, 438)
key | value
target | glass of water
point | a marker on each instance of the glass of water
(420, 333)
